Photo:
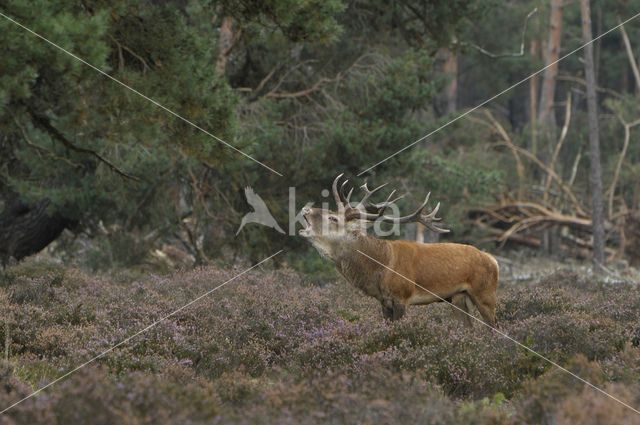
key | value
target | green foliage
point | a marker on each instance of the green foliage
(319, 270)
(102, 153)
(375, 100)
(297, 21)
(60, 110)
(311, 88)
(117, 251)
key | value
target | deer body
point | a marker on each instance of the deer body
(457, 273)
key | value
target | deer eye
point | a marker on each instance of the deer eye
(332, 218)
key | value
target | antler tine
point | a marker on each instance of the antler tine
(377, 188)
(367, 194)
(426, 219)
(411, 217)
(432, 215)
(367, 210)
(380, 207)
(383, 205)
(345, 198)
(336, 195)
(390, 201)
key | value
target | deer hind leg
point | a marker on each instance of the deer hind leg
(462, 308)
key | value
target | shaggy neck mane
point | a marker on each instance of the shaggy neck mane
(363, 272)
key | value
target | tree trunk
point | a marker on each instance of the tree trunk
(450, 67)
(447, 65)
(419, 232)
(26, 230)
(424, 235)
(594, 143)
(533, 100)
(546, 117)
(224, 44)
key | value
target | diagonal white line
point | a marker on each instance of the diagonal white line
(502, 333)
(124, 341)
(141, 95)
(497, 95)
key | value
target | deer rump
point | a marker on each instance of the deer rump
(457, 273)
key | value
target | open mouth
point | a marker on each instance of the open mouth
(306, 231)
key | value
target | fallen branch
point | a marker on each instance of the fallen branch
(145, 66)
(315, 87)
(551, 173)
(616, 174)
(505, 136)
(582, 82)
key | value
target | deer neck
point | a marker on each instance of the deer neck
(353, 263)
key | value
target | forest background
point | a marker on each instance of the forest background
(311, 89)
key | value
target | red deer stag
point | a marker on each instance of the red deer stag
(460, 274)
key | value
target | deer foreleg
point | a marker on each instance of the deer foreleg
(393, 309)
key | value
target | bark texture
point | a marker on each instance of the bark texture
(594, 141)
(550, 76)
(26, 230)
(225, 43)
(450, 67)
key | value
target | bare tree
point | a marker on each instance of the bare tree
(594, 142)
(545, 115)
(534, 85)
(447, 65)
(632, 61)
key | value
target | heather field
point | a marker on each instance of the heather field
(279, 347)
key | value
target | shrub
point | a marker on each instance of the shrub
(624, 366)
(593, 407)
(563, 335)
(92, 396)
(269, 348)
(541, 397)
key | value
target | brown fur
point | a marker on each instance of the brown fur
(460, 274)
(447, 270)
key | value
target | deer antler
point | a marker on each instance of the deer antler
(367, 210)
(364, 202)
(336, 195)
(345, 198)
(426, 219)
(366, 205)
